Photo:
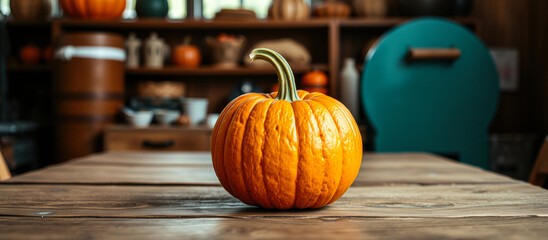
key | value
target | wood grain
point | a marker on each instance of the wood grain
(275, 228)
(182, 139)
(449, 201)
(122, 174)
(143, 195)
(187, 169)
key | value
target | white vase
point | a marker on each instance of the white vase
(350, 87)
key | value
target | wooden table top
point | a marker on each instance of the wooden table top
(143, 195)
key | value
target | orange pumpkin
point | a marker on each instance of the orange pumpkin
(93, 9)
(289, 149)
(315, 81)
(30, 54)
(186, 55)
(47, 54)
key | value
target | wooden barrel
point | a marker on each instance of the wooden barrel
(88, 90)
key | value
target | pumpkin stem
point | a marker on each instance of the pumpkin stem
(286, 81)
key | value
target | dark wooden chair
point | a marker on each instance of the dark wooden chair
(540, 170)
(4, 170)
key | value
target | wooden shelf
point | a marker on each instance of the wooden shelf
(191, 24)
(390, 22)
(212, 70)
(27, 23)
(258, 24)
(38, 68)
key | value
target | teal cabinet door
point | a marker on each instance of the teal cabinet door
(434, 104)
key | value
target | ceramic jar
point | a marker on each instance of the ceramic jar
(156, 50)
(371, 8)
(152, 8)
(289, 10)
(133, 49)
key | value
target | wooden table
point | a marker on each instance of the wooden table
(140, 195)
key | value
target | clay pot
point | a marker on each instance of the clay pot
(289, 10)
(371, 8)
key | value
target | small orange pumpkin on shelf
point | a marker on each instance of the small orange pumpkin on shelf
(30, 54)
(47, 54)
(288, 149)
(93, 9)
(186, 55)
(315, 81)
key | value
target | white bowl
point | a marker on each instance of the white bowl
(140, 118)
(166, 117)
(196, 109)
(212, 119)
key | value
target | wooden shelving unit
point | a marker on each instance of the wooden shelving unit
(326, 39)
(329, 41)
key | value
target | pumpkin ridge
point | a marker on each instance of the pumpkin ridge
(217, 127)
(344, 156)
(306, 162)
(219, 162)
(262, 158)
(219, 159)
(303, 94)
(244, 127)
(235, 177)
(353, 130)
(330, 191)
(224, 146)
(280, 167)
(299, 155)
(323, 153)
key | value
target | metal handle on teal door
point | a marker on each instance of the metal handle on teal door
(414, 54)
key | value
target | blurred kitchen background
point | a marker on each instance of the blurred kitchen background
(153, 75)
